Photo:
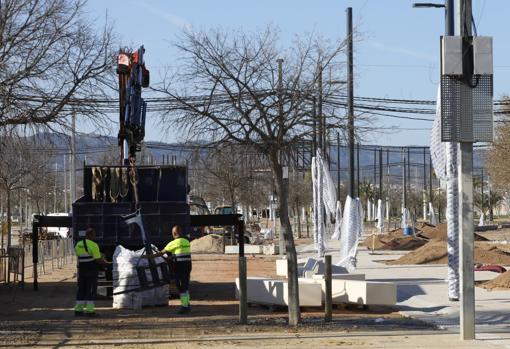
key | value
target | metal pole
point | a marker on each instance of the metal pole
(467, 295)
(314, 120)
(380, 176)
(357, 168)
(449, 17)
(452, 190)
(328, 301)
(35, 250)
(243, 297)
(489, 194)
(404, 184)
(65, 184)
(482, 192)
(408, 170)
(424, 184)
(281, 241)
(430, 179)
(55, 189)
(375, 167)
(350, 104)
(339, 180)
(388, 206)
(73, 161)
(319, 109)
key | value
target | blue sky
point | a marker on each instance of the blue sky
(397, 57)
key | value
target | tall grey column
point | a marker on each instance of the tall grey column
(73, 161)
(467, 296)
(350, 103)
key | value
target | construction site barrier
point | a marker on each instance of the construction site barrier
(16, 264)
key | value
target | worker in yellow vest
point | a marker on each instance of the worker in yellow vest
(89, 260)
(179, 251)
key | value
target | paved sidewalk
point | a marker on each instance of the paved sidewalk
(422, 293)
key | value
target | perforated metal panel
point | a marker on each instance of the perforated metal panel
(466, 111)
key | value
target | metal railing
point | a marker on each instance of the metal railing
(16, 265)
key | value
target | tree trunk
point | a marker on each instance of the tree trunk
(293, 287)
(9, 223)
(2, 224)
(298, 220)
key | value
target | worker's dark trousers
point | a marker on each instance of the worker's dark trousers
(182, 275)
(87, 284)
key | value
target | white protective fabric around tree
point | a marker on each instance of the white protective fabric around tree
(125, 278)
(444, 160)
(338, 221)
(325, 201)
(369, 210)
(314, 188)
(351, 230)
(329, 196)
(432, 215)
(321, 240)
(406, 218)
(481, 222)
(380, 216)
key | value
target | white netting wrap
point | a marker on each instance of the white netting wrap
(338, 221)
(438, 148)
(380, 216)
(351, 230)
(432, 215)
(405, 219)
(314, 187)
(321, 241)
(328, 188)
(444, 160)
(324, 202)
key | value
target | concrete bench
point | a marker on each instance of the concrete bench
(270, 249)
(275, 292)
(248, 249)
(360, 291)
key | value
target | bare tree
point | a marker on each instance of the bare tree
(498, 158)
(229, 88)
(226, 172)
(299, 197)
(19, 169)
(52, 62)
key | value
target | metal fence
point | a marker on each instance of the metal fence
(16, 264)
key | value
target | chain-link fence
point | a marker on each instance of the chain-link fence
(16, 264)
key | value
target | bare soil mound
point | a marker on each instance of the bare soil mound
(431, 232)
(502, 282)
(394, 240)
(435, 252)
(211, 243)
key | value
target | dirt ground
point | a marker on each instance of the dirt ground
(45, 317)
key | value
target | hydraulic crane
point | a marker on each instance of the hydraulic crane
(133, 76)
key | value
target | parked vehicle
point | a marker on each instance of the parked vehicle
(228, 231)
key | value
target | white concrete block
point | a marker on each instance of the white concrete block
(269, 291)
(360, 292)
(248, 249)
(281, 267)
(270, 249)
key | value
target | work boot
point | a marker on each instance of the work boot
(78, 313)
(94, 314)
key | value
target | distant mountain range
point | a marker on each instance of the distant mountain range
(93, 149)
